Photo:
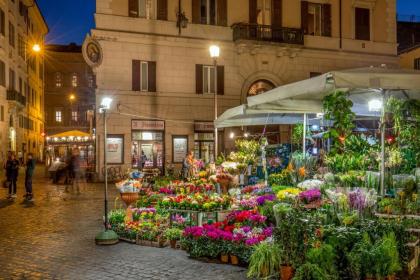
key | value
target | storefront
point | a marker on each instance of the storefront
(147, 149)
(204, 141)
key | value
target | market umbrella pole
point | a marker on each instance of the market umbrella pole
(106, 237)
(382, 126)
(305, 120)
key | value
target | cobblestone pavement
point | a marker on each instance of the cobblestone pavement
(53, 238)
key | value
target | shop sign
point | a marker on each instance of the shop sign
(203, 126)
(115, 149)
(180, 148)
(147, 125)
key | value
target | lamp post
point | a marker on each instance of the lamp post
(377, 105)
(106, 237)
(214, 53)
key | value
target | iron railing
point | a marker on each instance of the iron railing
(246, 31)
(13, 95)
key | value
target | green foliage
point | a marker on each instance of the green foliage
(265, 261)
(319, 265)
(116, 216)
(173, 234)
(297, 134)
(345, 162)
(338, 109)
(246, 152)
(284, 178)
(309, 271)
(267, 210)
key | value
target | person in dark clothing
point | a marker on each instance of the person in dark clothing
(76, 170)
(12, 171)
(30, 168)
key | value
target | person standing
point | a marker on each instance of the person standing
(187, 165)
(30, 168)
(12, 171)
(75, 165)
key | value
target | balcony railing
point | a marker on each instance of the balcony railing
(13, 95)
(268, 33)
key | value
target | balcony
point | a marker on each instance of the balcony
(269, 33)
(13, 95)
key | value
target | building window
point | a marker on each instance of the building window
(2, 113)
(91, 80)
(11, 34)
(362, 21)
(2, 73)
(144, 76)
(208, 79)
(12, 79)
(58, 80)
(259, 87)
(58, 116)
(147, 9)
(208, 11)
(264, 12)
(74, 116)
(2, 23)
(21, 46)
(144, 69)
(74, 80)
(314, 19)
(417, 63)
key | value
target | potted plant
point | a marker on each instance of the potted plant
(173, 235)
(265, 261)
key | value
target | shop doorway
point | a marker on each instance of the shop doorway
(147, 150)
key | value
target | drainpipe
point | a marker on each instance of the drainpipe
(340, 23)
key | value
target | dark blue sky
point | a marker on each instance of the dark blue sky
(70, 20)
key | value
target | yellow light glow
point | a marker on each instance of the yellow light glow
(72, 97)
(36, 48)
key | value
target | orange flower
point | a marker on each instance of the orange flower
(302, 172)
(290, 167)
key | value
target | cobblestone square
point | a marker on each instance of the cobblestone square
(53, 238)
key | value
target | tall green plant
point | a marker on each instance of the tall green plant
(265, 261)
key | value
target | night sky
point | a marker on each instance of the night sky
(70, 20)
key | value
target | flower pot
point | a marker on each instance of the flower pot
(129, 197)
(173, 244)
(234, 260)
(224, 258)
(392, 277)
(286, 272)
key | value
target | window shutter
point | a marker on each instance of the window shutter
(152, 75)
(136, 75)
(196, 14)
(220, 80)
(326, 20)
(133, 8)
(304, 16)
(253, 11)
(277, 13)
(199, 78)
(162, 9)
(2, 22)
(222, 12)
(362, 24)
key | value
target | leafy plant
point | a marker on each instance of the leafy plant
(265, 261)
(116, 216)
(319, 265)
(173, 234)
(297, 134)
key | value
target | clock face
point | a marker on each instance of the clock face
(93, 52)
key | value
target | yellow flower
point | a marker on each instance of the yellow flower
(288, 192)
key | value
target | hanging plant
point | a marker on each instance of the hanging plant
(395, 107)
(337, 108)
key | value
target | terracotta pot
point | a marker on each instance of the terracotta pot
(129, 197)
(224, 258)
(392, 277)
(286, 272)
(234, 260)
(173, 244)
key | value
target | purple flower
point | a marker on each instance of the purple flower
(268, 231)
(246, 229)
(357, 199)
(310, 195)
(252, 241)
(263, 199)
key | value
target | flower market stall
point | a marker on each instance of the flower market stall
(309, 217)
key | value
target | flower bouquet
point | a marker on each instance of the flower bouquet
(311, 198)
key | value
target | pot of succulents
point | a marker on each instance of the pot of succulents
(173, 235)
(265, 261)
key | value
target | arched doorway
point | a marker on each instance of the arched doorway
(259, 87)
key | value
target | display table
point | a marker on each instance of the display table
(197, 216)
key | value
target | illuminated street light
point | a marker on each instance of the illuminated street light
(214, 51)
(106, 103)
(36, 48)
(375, 105)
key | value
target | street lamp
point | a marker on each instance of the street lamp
(106, 237)
(214, 53)
(36, 48)
(377, 105)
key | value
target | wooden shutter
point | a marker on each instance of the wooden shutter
(133, 8)
(276, 20)
(222, 12)
(136, 75)
(196, 14)
(304, 16)
(162, 9)
(362, 17)
(220, 80)
(151, 76)
(199, 78)
(253, 11)
(2, 22)
(326, 20)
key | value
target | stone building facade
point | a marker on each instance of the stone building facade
(69, 101)
(152, 58)
(21, 78)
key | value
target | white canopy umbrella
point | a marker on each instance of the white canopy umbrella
(361, 84)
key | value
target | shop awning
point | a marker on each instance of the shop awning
(70, 133)
(361, 84)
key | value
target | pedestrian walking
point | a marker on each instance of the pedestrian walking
(30, 168)
(76, 170)
(20, 157)
(12, 171)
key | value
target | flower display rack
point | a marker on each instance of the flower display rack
(198, 216)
